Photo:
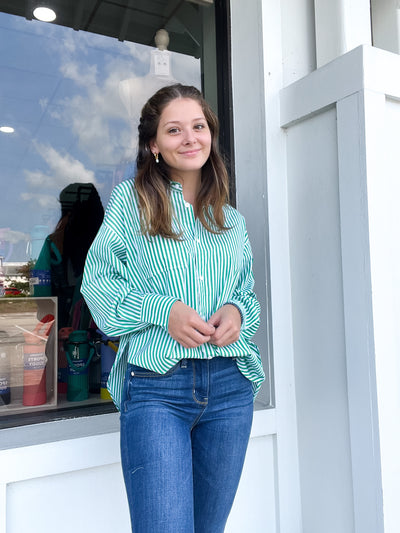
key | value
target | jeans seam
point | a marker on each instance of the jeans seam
(194, 388)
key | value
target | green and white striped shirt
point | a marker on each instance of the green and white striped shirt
(131, 281)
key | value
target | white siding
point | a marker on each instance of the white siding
(318, 326)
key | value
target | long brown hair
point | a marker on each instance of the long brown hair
(152, 182)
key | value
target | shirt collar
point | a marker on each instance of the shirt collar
(176, 186)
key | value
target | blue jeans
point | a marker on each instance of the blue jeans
(184, 436)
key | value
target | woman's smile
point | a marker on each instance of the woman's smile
(190, 152)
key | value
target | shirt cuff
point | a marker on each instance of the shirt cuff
(240, 308)
(156, 309)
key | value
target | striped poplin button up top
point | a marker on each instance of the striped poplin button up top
(131, 281)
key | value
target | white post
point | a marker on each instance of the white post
(3, 507)
(386, 24)
(340, 26)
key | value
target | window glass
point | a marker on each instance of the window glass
(69, 107)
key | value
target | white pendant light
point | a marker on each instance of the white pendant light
(44, 13)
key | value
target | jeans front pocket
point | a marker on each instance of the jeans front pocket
(141, 372)
(142, 384)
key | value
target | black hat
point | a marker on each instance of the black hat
(75, 193)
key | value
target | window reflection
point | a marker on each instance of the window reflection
(61, 92)
(73, 99)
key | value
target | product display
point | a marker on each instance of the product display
(35, 362)
(43, 367)
(80, 352)
(28, 366)
(5, 368)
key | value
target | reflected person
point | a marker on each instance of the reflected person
(63, 254)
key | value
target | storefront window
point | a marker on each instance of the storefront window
(69, 107)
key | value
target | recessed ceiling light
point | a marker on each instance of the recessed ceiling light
(45, 14)
(6, 129)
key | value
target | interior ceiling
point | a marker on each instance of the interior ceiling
(130, 20)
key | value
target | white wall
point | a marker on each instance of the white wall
(297, 37)
(342, 124)
(386, 24)
(340, 26)
(92, 499)
(318, 325)
(77, 485)
(383, 131)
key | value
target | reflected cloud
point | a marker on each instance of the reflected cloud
(63, 169)
(82, 75)
(12, 236)
(96, 114)
(43, 200)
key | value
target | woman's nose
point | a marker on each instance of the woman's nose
(189, 136)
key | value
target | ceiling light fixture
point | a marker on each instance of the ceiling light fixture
(202, 2)
(6, 129)
(45, 14)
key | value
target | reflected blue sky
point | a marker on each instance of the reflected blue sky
(60, 90)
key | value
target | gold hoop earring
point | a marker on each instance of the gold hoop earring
(156, 157)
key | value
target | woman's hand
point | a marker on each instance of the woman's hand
(227, 322)
(187, 327)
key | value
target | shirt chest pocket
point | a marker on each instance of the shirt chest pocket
(167, 274)
(226, 256)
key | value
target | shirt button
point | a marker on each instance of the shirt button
(187, 204)
(201, 278)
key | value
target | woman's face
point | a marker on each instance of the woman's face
(183, 138)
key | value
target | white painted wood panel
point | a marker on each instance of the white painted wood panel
(318, 325)
(340, 26)
(77, 485)
(383, 171)
(359, 331)
(385, 16)
(362, 89)
(257, 75)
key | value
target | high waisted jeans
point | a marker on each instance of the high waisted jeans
(184, 436)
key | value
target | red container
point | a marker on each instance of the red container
(35, 360)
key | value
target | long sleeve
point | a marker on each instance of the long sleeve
(243, 297)
(115, 299)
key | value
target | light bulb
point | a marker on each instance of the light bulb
(45, 14)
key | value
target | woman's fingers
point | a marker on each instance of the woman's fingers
(227, 322)
(187, 327)
(190, 330)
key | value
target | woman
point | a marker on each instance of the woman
(170, 272)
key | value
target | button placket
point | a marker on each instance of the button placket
(194, 230)
(199, 275)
